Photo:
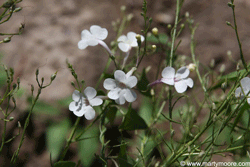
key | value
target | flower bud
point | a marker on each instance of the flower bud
(169, 26)
(7, 40)
(123, 8)
(191, 67)
(224, 86)
(37, 72)
(32, 88)
(130, 17)
(182, 26)
(228, 23)
(138, 37)
(11, 118)
(152, 92)
(42, 79)
(187, 14)
(222, 68)
(19, 124)
(212, 63)
(53, 76)
(155, 31)
(153, 48)
(8, 3)
(73, 84)
(18, 9)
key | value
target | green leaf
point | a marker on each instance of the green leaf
(146, 110)
(55, 135)
(142, 84)
(65, 101)
(42, 107)
(64, 164)
(88, 147)
(163, 38)
(133, 121)
(123, 159)
(239, 115)
(110, 114)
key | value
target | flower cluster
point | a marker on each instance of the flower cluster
(120, 89)
(244, 89)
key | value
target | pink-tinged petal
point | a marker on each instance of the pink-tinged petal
(168, 73)
(245, 83)
(124, 47)
(120, 76)
(180, 86)
(90, 93)
(120, 100)
(76, 95)
(122, 38)
(114, 94)
(109, 84)
(95, 101)
(182, 73)
(239, 93)
(168, 81)
(131, 81)
(82, 44)
(89, 113)
(98, 32)
(189, 82)
(130, 95)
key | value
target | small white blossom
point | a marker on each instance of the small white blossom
(82, 104)
(246, 88)
(179, 80)
(129, 41)
(120, 87)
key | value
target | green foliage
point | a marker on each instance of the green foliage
(64, 164)
(55, 137)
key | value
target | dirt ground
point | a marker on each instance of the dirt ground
(53, 27)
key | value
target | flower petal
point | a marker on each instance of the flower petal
(168, 81)
(98, 32)
(130, 95)
(90, 93)
(93, 42)
(122, 38)
(86, 35)
(73, 106)
(114, 94)
(76, 95)
(109, 84)
(132, 39)
(95, 101)
(168, 72)
(120, 100)
(124, 47)
(82, 44)
(238, 93)
(89, 113)
(245, 85)
(182, 73)
(248, 101)
(189, 82)
(180, 86)
(120, 76)
(131, 81)
(77, 109)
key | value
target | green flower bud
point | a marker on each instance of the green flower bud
(7, 40)
(153, 48)
(11, 118)
(169, 26)
(53, 76)
(222, 68)
(138, 37)
(155, 31)
(8, 3)
(18, 9)
(37, 72)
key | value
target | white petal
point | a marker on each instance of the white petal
(169, 81)
(95, 101)
(114, 94)
(238, 93)
(78, 109)
(90, 93)
(89, 113)
(98, 32)
(168, 72)
(189, 82)
(180, 86)
(245, 83)
(122, 38)
(76, 95)
(82, 44)
(120, 76)
(131, 81)
(120, 100)
(124, 47)
(142, 38)
(248, 101)
(130, 95)
(73, 106)
(86, 35)
(183, 72)
(132, 39)
(93, 42)
(109, 84)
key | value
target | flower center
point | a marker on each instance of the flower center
(176, 79)
(122, 85)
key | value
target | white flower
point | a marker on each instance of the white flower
(120, 87)
(82, 104)
(127, 42)
(246, 88)
(179, 80)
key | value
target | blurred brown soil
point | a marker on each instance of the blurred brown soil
(53, 27)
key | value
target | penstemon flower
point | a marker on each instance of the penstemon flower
(179, 80)
(120, 88)
(129, 41)
(246, 89)
(82, 104)
(95, 36)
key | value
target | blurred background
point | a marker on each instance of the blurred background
(52, 31)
